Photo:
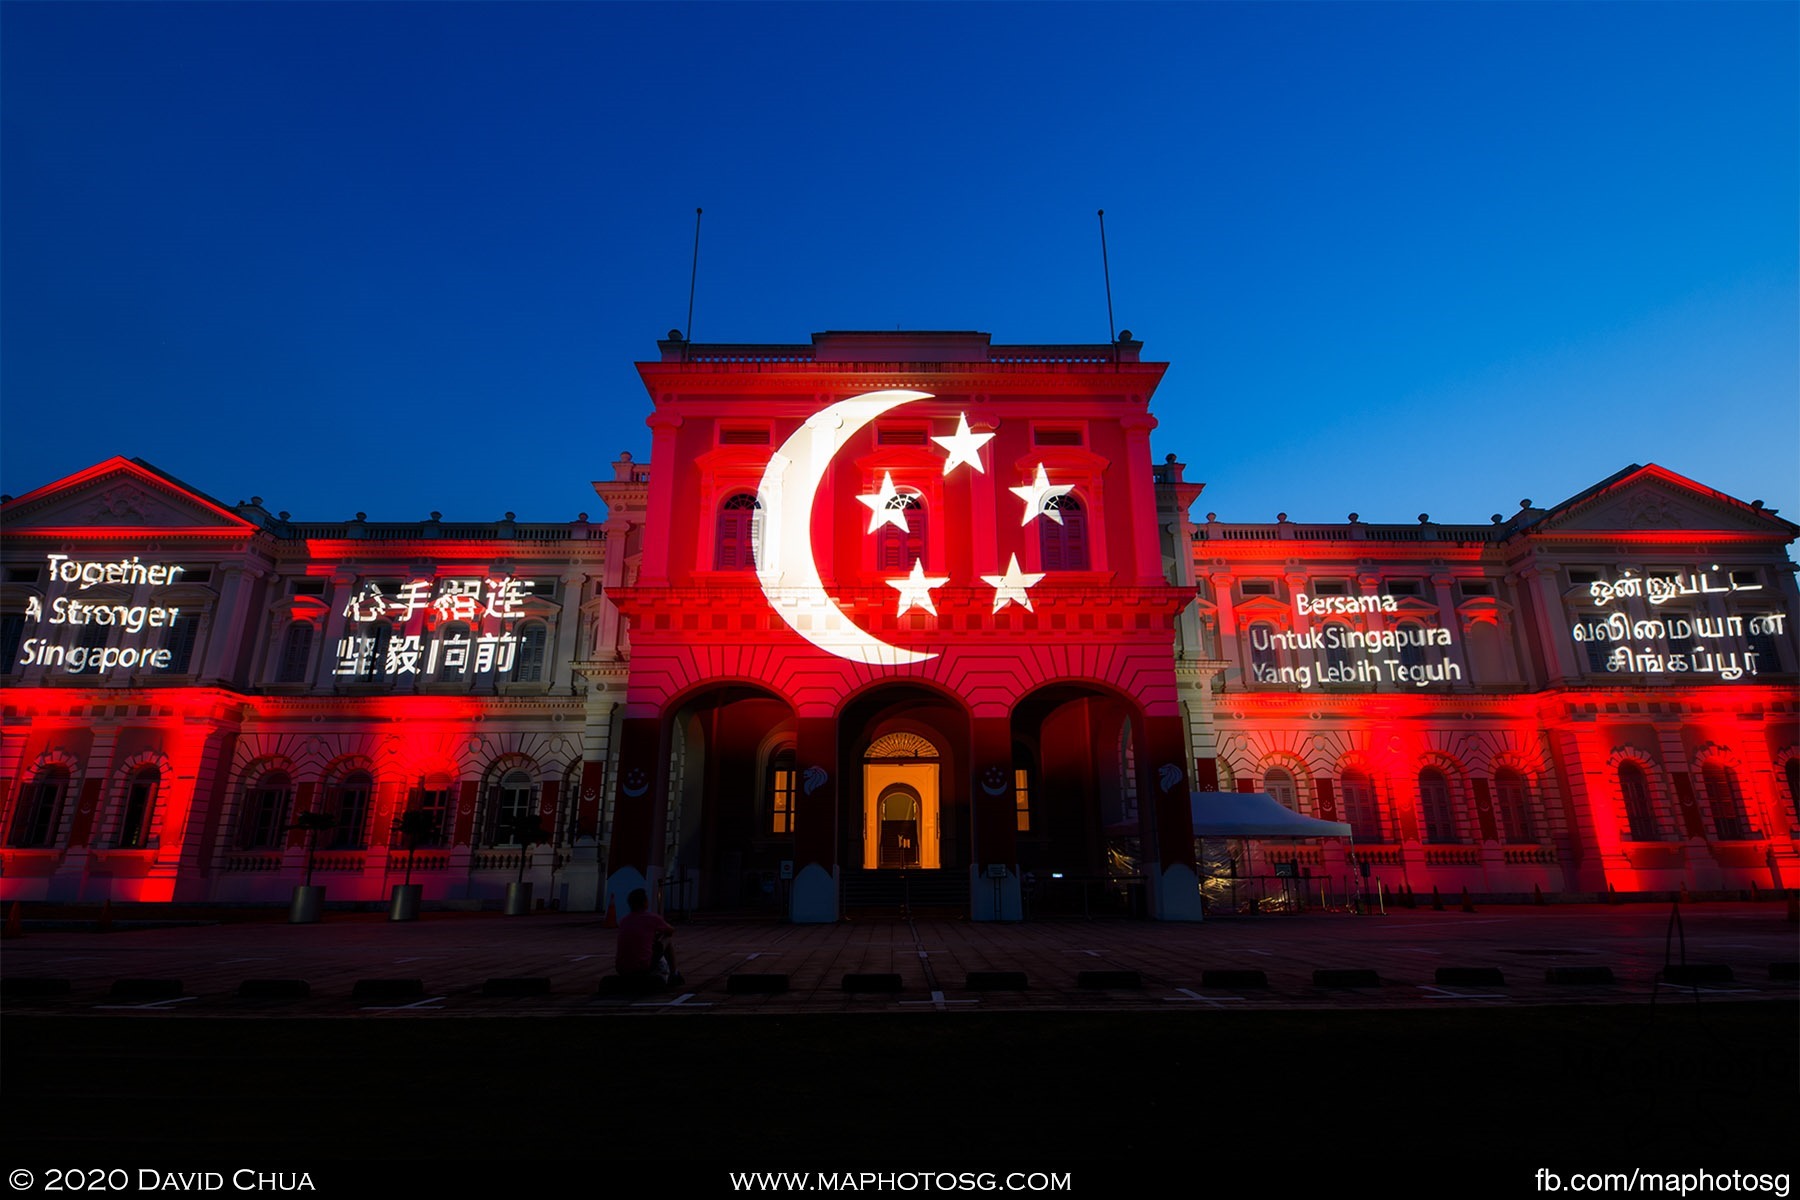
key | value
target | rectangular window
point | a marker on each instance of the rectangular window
(744, 437)
(781, 800)
(179, 642)
(12, 635)
(900, 437)
(1583, 578)
(1331, 587)
(1022, 798)
(309, 587)
(1056, 436)
(1257, 587)
(1476, 587)
(1403, 587)
(21, 574)
(1598, 649)
(1760, 642)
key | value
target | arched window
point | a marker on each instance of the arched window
(1280, 784)
(348, 801)
(296, 653)
(897, 549)
(264, 818)
(1359, 806)
(1515, 805)
(140, 808)
(780, 790)
(1064, 546)
(1634, 790)
(40, 803)
(528, 667)
(1435, 813)
(512, 803)
(1726, 803)
(734, 543)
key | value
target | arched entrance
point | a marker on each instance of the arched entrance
(904, 815)
(728, 818)
(901, 808)
(898, 828)
(1082, 800)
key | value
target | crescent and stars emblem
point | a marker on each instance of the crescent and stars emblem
(993, 780)
(787, 569)
(634, 784)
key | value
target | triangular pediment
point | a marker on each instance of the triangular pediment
(1652, 498)
(119, 494)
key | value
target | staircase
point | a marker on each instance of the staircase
(893, 893)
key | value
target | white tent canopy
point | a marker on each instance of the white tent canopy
(1255, 815)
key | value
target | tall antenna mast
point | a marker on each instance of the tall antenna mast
(694, 275)
(1111, 334)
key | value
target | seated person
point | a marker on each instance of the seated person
(645, 957)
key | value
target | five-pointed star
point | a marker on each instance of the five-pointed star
(1012, 585)
(964, 446)
(915, 589)
(881, 503)
(1037, 494)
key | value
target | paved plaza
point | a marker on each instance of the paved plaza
(451, 963)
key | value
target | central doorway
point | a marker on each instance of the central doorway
(899, 836)
(900, 804)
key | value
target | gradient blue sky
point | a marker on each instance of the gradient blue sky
(1402, 258)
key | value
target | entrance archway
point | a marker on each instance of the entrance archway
(898, 838)
(902, 826)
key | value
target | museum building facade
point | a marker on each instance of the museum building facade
(891, 618)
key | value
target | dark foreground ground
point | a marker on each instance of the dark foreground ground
(1178, 1084)
(1295, 1091)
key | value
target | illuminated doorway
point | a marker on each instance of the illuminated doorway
(900, 804)
(898, 837)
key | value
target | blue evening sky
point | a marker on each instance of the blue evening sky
(1402, 258)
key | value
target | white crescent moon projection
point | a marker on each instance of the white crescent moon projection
(784, 560)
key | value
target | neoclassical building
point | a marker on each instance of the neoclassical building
(890, 617)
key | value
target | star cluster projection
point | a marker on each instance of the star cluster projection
(887, 506)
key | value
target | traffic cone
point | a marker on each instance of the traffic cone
(1437, 901)
(15, 923)
(1468, 905)
(612, 915)
(1537, 894)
